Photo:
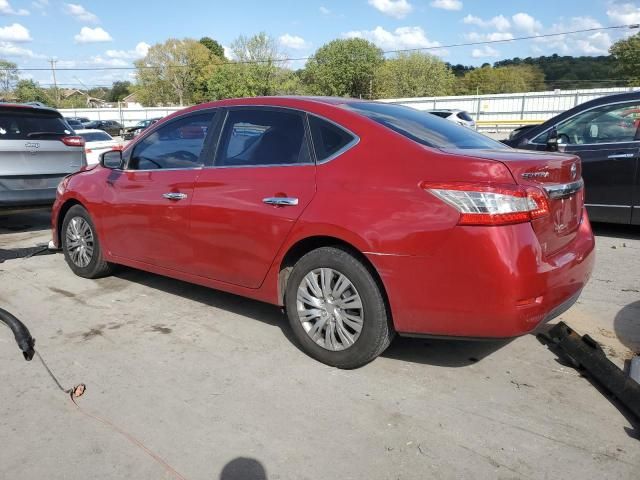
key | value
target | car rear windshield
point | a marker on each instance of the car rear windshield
(96, 136)
(423, 128)
(28, 124)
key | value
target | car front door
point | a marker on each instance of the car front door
(246, 203)
(147, 215)
(607, 139)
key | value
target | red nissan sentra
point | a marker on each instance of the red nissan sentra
(362, 219)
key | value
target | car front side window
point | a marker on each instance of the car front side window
(617, 123)
(178, 144)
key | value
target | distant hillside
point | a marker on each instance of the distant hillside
(568, 73)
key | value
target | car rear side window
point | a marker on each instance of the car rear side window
(441, 114)
(423, 128)
(178, 144)
(263, 136)
(29, 124)
(328, 138)
(465, 116)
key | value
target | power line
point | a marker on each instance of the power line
(387, 52)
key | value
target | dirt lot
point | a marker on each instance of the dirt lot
(213, 384)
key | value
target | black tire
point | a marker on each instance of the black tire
(97, 267)
(376, 331)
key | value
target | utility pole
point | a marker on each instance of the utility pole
(55, 83)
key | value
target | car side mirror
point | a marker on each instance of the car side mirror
(552, 140)
(112, 160)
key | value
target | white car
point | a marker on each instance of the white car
(96, 143)
(454, 115)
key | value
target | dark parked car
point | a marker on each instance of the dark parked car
(74, 124)
(37, 149)
(605, 134)
(110, 126)
(82, 120)
(132, 132)
(362, 219)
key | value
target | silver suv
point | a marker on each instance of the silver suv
(37, 150)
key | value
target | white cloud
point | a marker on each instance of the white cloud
(485, 52)
(8, 49)
(15, 33)
(140, 51)
(500, 22)
(596, 43)
(447, 4)
(393, 8)
(92, 35)
(400, 38)
(526, 23)
(489, 37)
(7, 9)
(108, 62)
(293, 42)
(623, 13)
(325, 11)
(40, 4)
(80, 13)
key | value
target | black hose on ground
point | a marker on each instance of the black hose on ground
(24, 339)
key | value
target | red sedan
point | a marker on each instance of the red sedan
(362, 219)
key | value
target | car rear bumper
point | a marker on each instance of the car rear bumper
(486, 282)
(13, 199)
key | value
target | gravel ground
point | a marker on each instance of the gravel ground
(213, 384)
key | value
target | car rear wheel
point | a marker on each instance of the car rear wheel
(336, 309)
(81, 246)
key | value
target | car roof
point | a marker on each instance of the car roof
(27, 106)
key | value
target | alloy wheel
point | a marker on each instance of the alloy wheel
(330, 309)
(79, 241)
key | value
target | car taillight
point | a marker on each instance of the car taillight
(480, 204)
(73, 141)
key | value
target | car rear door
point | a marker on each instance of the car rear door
(33, 155)
(147, 212)
(246, 203)
(607, 140)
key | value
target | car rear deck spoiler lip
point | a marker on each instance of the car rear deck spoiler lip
(565, 190)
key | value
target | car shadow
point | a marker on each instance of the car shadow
(628, 232)
(442, 352)
(436, 352)
(25, 222)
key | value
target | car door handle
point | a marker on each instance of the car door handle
(281, 201)
(174, 196)
(621, 155)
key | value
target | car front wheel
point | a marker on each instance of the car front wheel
(336, 309)
(80, 244)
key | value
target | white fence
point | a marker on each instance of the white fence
(492, 112)
(505, 111)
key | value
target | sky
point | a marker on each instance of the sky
(115, 33)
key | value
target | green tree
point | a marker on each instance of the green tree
(8, 76)
(343, 68)
(30, 91)
(214, 47)
(257, 70)
(627, 54)
(174, 72)
(522, 78)
(414, 75)
(118, 91)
